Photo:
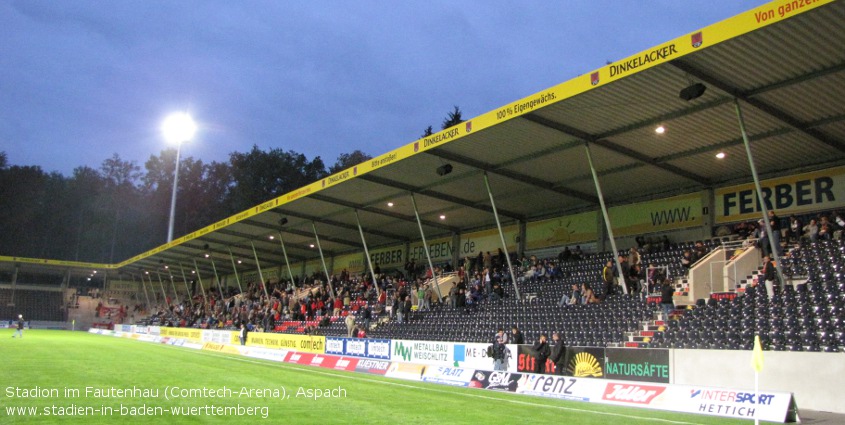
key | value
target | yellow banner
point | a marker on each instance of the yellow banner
(566, 230)
(660, 215)
(818, 190)
(75, 264)
(488, 241)
(440, 249)
(182, 333)
(303, 343)
(393, 256)
(352, 263)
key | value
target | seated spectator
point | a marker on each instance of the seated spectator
(566, 255)
(825, 229)
(811, 232)
(588, 296)
(686, 260)
(577, 254)
(572, 298)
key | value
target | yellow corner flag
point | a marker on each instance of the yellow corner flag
(757, 355)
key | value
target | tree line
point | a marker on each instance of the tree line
(112, 213)
(121, 209)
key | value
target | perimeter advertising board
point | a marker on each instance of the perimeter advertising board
(359, 347)
(637, 364)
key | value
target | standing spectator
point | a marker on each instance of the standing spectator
(243, 334)
(634, 257)
(453, 294)
(666, 293)
(366, 316)
(558, 354)
(607, 278)
(541, 353)
(498, 354)
(429, 296)
(774, 221)
(406, 309)
(769, 273)
(516, 336)
(19, 332)
(350, 325)
(795, 229)
(420, 297)
(488, 285)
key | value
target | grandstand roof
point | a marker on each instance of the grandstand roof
(783, 61)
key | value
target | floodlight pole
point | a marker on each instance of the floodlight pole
(606, 218)
(425, 247)
(367, 253)
(323, 260)
(173, 195)
(260, 275)
(763, 208)
(235, 268)
(501, 235)
(287, 263)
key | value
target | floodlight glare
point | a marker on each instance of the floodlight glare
(178, 127)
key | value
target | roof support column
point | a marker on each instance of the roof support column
(152, 287)
(199, 280)
(287, 263)
(367, 253)
(185, 281)
(173, 284)
(235, 268)
(425, 246)
(260, 275)
(501, 235)
(161, 284)
(606, 218)
(216, 277)
(763, 208)
(323, 260)
(146, 295)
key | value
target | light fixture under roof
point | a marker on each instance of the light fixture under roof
(442, 217)
(390, 204)
(660, 130)
(271, 237)
(720, 155)
(311, 245)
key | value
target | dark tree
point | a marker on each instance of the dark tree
(453, 118)
(346, 160)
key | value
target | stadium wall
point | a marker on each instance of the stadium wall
(814, 378)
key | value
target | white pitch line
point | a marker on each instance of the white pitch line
(466, 394)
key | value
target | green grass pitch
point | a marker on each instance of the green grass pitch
(48, 373)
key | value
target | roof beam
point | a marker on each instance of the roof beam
(340, 224)
(439, 195)
(373, 210)
(302, 233)
(522, 178)
(758, 104)
(630, 153)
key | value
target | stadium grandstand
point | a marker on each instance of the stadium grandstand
(533, 215)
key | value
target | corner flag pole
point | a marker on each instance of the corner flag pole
(757, 364)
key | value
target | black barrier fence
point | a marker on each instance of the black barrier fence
(630, 364)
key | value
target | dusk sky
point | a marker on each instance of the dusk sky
(82, 80)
